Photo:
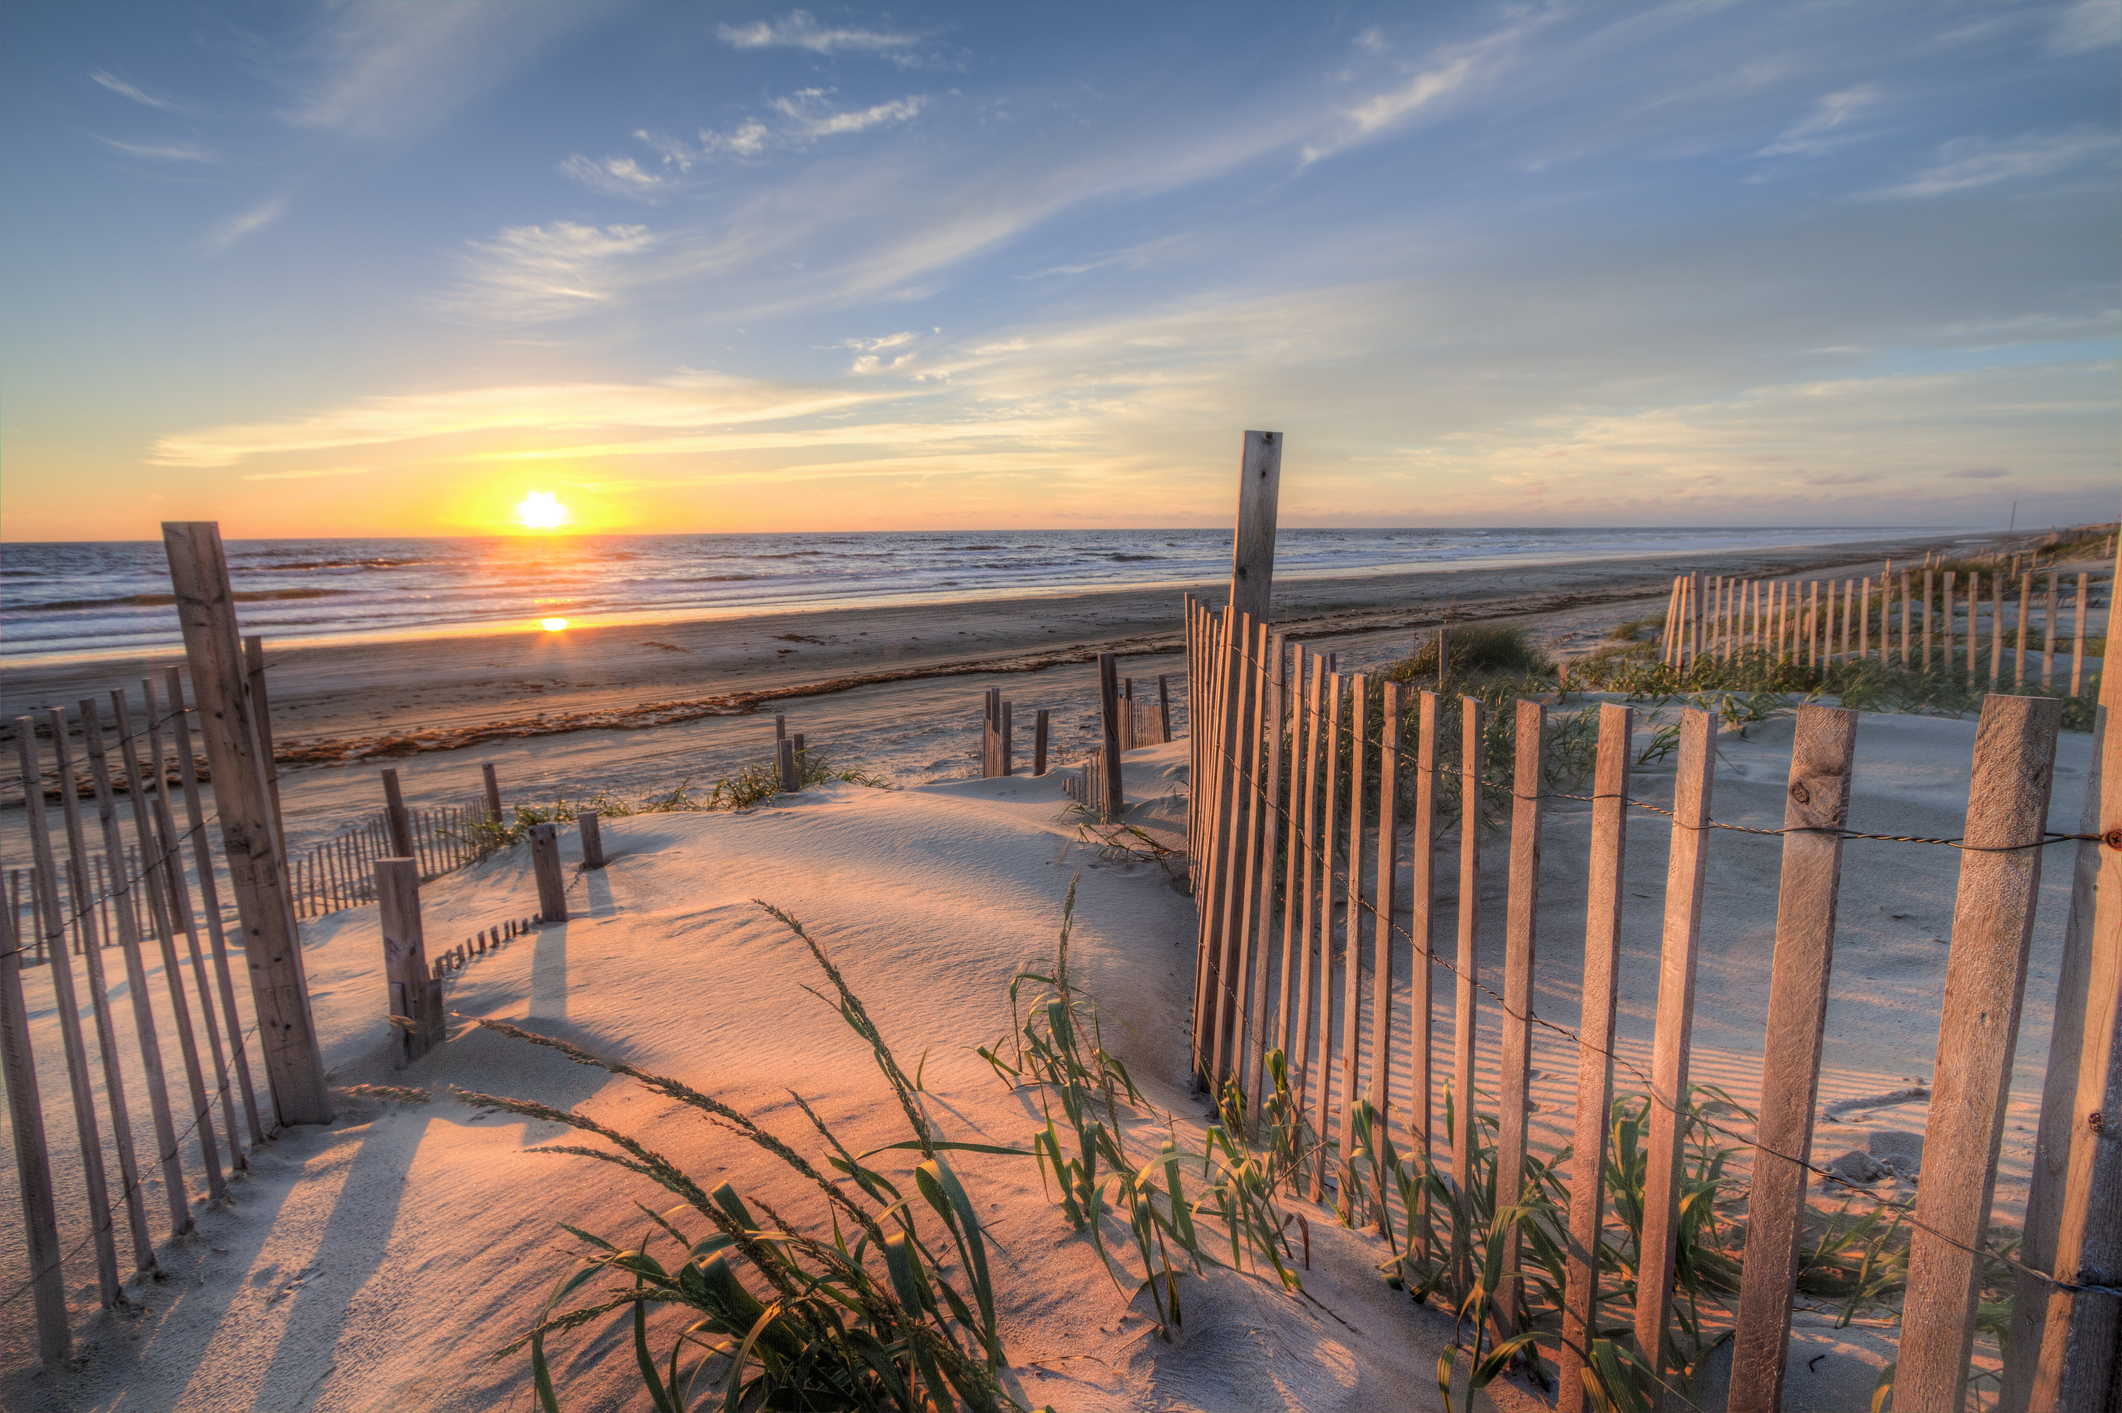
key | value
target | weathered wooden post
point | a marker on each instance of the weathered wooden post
(1110, 803)
(415, 1000)
(1985, 979)
(401, 824)
(1164, 702)
(1039, 742)
(787, 753)
(262, 715)
(592, 839)
(493, 792)
(545, 863)
(1816, 807)
(249, 832)
(1007, 748)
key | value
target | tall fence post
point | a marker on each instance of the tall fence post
(1109, 725)
(1816, 806)
(414, 998)
(545, 863)
(592, 832)
(1039, 742)
(401, 823)
(262, 719)
(493, 792)
(2074, 1207)
(1985, 979)
(1252, 564)
(250, 836)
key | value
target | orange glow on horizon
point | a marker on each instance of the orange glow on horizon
(552, 625)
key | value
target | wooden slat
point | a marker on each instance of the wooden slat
(2026, 598)
(1685, 871)
(1985, 981)
(2048, 633)
(1308, 931)
(1385, 896)
(33, 1167)
(1293, 868)
(1215, 839)
(1473, 718)
(250, 834)
(1513, 1096)
(2077, 642)
(82, 903)
(1267, 817)
(2074, 1207)
(144, 1026)
(1595, 1062)
(1665, 633)
(1329, 825)
(1422, 933)
(1352, 930)
(153, 884)
(1906, 606)
(1816, 807)
(1234, 852)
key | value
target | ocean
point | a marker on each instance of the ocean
(77, 601)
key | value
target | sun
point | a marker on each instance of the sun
(541, 510)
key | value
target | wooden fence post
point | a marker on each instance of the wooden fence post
(1513, 1094)
(1252, 565)
(592, 839)
(1685, 870)
(785, 749)
(414, 1001)
(262, 718)
(545, 863)
(1109, 722)
(249, 830)
(493, 792)
(1007, 748)
(1164, 692)
(2074, 1208)
(401, 824)
(1815, 810)
(33, 1169)
(2077, 644)
(1595, 1061)
(1985, 980)
(2048, 633)
(1039, 722)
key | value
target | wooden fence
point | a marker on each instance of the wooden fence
(341, 871)
(1923, 619)
(1296, 838)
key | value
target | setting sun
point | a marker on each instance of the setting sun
(541, 510)
(552, 625)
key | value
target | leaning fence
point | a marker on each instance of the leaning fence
(1296, 842)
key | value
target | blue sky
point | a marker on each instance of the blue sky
(372, 269)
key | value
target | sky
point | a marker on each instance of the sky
(400, 269)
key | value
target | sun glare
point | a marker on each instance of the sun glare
(552, 625)
(541, 510)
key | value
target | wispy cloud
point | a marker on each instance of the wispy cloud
(236, 227)
(530, 274)
(167, 151)
(1446, 72)
(811, 115)
(1979, 473)
(1977, 161)
(1133, 258)
(1819, 130)
(794, 122)
(616, 176)
(139, 95)
(870, 353)
(798, 30)
(308, 475)
(391, 70)
(688, 400)
(2090, 25)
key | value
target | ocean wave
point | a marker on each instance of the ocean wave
(167, 600)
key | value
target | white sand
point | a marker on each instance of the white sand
(377, 1263)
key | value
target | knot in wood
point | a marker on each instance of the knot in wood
(1799, 793)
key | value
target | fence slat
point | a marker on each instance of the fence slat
(1595, 1063)
(1329, 820)
(1386, 901)
(1473, 717)
(1816, 807)
(131, 1192)
(1513, 1094)
(1684, 874)
(153, 855)
(1237, 945)
(33, 1168)
(1352, 938)
(1422, 932)
(1259, 1034)
(1215, 841)
(173, 1189)
(1229, 849)
(1985, 979)
(1308, 946)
